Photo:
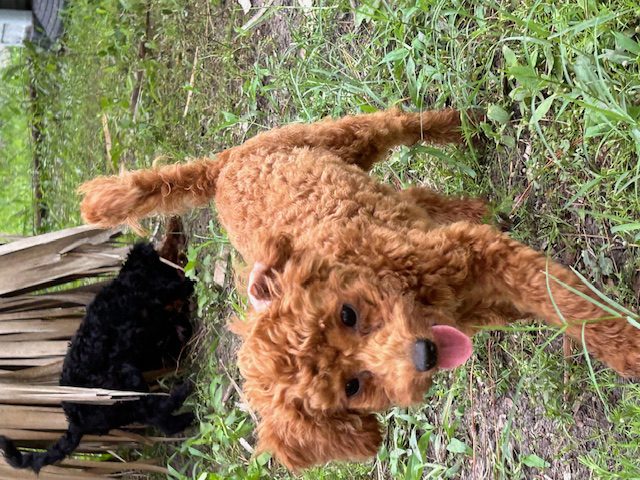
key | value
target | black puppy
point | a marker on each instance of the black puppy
(137, 323)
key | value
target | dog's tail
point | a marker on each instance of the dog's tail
(170, 189)
(66, 444)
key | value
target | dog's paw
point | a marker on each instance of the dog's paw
(182, 390)
(174, 424)
(186, 419)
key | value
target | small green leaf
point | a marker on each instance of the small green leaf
(596, 130)
(395, 55)
(263, 458)
(586, 73)
(549, 58)
(498, 114)
(509, 56)
(417, 43)
(541, 110)
(618, 56)
(627, 227)
(508, 141)
(423, 442)
(410, 72)
(366, 108)
(457, 446)
(527, 76)
(627, 43)
(523, 73)
(535, 461)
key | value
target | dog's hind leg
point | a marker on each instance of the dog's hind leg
(172, 424)
(158, 410)
(363, 139)
(483, 263)
(442, 209)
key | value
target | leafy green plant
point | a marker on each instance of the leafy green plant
(16, 208)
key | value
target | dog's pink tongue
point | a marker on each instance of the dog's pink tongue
(454, 347)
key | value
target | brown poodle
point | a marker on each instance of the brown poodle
(360, 293)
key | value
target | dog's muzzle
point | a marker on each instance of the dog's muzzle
(425, 355)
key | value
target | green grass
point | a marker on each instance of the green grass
(560, 84)
(15, 148)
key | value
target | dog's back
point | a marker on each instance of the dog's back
(141, 318)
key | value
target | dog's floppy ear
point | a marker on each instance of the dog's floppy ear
(262, 286)
(298, 441)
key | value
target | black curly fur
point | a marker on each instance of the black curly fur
(139, 322)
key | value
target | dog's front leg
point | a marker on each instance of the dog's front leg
(476, 260)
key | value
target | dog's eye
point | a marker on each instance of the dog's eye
(352, 387)
(348, 315)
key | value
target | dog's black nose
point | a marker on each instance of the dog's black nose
(425, 355)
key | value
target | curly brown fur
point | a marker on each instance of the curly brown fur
(360, 293)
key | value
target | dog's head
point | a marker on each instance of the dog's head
(328, 344)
